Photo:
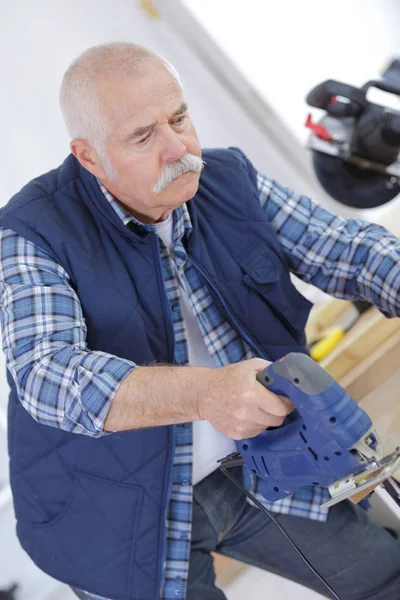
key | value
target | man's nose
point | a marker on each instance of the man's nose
(173, 149)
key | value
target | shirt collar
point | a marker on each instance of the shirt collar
(182, 223)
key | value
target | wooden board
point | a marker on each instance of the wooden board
(368, 334)
(367, 375)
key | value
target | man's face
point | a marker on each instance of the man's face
(150, 129)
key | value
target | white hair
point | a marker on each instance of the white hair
(81, 106)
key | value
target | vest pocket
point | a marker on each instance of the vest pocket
(90, 544)
(267, 274)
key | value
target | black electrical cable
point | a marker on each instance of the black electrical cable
(281, 529)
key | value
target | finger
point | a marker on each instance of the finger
(288, 403)
(274, 404)
(266, 419)
(253, 430)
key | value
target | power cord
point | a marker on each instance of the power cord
(232, 462)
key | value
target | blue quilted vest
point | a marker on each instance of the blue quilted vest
(91, 511)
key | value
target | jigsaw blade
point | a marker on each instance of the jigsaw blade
(357, 486)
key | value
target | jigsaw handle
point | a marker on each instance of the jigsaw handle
(296, 369)
(316, 396)
(311, 446)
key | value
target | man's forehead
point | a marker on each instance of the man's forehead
(142, 97)
(139, 88)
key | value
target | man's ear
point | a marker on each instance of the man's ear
(88, 157)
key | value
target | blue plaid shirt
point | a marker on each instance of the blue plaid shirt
(346, 258)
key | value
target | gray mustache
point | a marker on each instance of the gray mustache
(189, 162)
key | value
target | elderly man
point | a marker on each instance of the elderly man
(144, 284)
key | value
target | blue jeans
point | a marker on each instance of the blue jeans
(359, 559)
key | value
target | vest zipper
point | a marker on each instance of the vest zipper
(231, 316)
(166, 501)
(171, 429)
(170, 330)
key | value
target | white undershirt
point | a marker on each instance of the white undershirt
(209, 445)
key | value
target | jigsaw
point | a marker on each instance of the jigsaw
(328, 440)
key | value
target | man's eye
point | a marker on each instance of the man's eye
(179, 120)
(144, 140)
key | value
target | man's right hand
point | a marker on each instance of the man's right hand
(230, 397)
(237, 405)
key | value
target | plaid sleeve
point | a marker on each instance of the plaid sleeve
(59, 380)
(347, 258)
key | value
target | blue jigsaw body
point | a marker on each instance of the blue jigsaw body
(312, 446)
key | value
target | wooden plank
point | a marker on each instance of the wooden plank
(373, 370)
(371, 330)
